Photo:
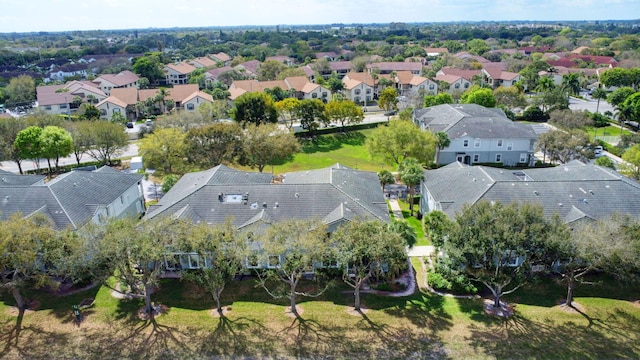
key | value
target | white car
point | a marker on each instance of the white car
(598, 151)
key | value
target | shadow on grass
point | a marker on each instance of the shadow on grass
(333, 142)
(238, 337)
(29, 341)
(612, 334)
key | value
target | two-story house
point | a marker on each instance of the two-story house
(63, 99)
(178, 73)
(74, 199)
(478, 134)
(123, 79)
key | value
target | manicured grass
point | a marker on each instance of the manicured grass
(422, 325)
(414, 222)
(323, 151)
(606, 131)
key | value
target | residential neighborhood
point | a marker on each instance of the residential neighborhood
(355, 191)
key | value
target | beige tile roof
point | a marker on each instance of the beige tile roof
(201, 94)
(417, 80)
(296, 82)
(128, 96)
(450, 79)
(439, 50)
(223, 57)
(47, 95)
(113, 100)
(396, 66)
(309, 87)
(181, 68)
(404, 77)
(203, 62)
(181, 92)
(361, 77)
(467, 74)
(350, 83)
(120, 79)
(236, 92)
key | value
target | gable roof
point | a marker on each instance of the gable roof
(120, 79)
(575, 191)
(467, 74)
(214, 73)
(471, 120)
(181, 68)
(203, 62)
(219, 193)
(395, 66)
(63, 94)
(222, 57)
(70, 200)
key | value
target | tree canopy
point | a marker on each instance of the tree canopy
(401, 139)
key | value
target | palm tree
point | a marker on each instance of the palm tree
(599, 94)
(386, 178)
(571, 82)
(442, 141)
(411, 174)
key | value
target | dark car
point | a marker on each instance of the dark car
(130, 125)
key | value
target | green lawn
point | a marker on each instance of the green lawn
(347, 149)
(414, 222)
(419, 326)
(611, 131)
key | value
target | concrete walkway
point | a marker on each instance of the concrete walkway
(395, 207)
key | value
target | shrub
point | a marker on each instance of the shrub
(534, 113)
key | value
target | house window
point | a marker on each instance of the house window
(324, 94)
(190, 107)
(314, 95)
(48, 107)
(466, 86)
(357, 92)
(274, 261)
(476, 158)
(476, 143)
(431, 87)
(498, 158)
(252, 261)
(523, 157)
(465, 143)
(116, 110)
(509, 146)
(457, 86)
(103, 112)
(63, 106)
(499, 143)
(357, 99)
(421, 86)
(368, 91)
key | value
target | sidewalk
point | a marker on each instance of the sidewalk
(395, 207)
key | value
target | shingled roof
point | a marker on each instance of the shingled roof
(70, 200)
(574, 191)
(332, 195)
(473, 120)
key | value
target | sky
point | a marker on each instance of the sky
(64, 15)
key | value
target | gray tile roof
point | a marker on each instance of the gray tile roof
(220, 193)
(70, 199)
(11, 179)
(473, 120)
(575, 191)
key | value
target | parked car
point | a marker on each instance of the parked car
(130, 125)
(598, 151)
(149, 122)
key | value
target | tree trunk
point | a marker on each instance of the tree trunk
(49, 163)
(216, 296)
(19, 163)
(496, 300)
(292, 298)
(356, 294)
(20, 303)
(148, 308)
(570, 287)
(411, 200)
